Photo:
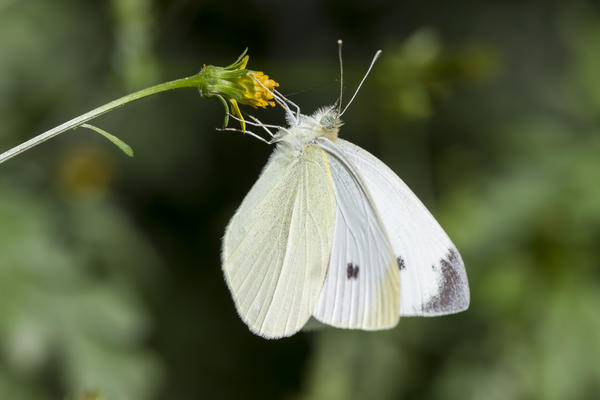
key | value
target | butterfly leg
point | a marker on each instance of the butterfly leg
(290, 103)
(279, 101)
(246, 131)
(266, 127)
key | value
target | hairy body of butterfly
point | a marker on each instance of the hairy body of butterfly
(329, 231)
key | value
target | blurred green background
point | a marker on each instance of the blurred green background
(110, 276)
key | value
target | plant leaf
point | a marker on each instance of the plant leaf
(125, 148)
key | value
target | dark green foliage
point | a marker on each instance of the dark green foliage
(110, 276)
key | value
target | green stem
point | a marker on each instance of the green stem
(191, 81)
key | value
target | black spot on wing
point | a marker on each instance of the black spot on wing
(452, 282)
(401, 263)
(351, 271)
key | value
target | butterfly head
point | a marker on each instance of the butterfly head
(325, 122)
(329, 117)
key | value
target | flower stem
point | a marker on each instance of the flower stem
(189, 82)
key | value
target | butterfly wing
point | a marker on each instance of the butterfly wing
(276, 247)
(433, 280)
(361, 290)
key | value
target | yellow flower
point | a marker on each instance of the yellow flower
(235, 84)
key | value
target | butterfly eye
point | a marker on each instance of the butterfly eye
(327, 121)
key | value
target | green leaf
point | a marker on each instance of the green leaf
(125, 148)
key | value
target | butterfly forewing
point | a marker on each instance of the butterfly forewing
(432, 274)
(361, 289)
(276, 247)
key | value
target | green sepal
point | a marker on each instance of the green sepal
(237, 62)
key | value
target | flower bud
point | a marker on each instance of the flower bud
(235, 84)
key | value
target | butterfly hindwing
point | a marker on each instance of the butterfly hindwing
(432, 274)
(276, 247)
(361, 289)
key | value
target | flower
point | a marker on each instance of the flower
(235, 84)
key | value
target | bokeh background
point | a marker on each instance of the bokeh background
(110, 276)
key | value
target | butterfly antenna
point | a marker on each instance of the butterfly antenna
(341, 76)
(362, 81)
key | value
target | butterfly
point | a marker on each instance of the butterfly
(329, 232)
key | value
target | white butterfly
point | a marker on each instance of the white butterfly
(329, 231)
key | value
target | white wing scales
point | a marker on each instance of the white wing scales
(362, 261)
(433, 280)
(276, 247)
(361, 289)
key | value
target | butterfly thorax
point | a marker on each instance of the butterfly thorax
(323, 123)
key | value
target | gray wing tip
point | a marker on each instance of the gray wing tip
(453, 295)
